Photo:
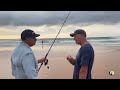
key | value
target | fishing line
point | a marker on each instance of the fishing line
(46, 61)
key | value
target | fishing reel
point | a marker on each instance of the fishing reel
(46, 63)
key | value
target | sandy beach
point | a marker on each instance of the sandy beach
(106, 59)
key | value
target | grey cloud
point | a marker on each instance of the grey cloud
(95, 17)
(38, 18)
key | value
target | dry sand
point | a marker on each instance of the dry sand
(106, 59)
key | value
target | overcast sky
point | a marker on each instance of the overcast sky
(49, 22)
(38, 18)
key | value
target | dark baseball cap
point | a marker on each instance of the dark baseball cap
(78, 31)
(28, 33)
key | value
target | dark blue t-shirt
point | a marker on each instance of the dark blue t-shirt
(84, 56)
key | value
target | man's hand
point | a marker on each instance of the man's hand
(42, 60)
(71, 60)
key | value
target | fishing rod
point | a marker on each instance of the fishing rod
(46, 61)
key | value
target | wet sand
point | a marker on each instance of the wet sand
(106, 59)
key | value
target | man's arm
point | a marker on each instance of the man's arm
(71, 60)
(83, 72)
(85, 59)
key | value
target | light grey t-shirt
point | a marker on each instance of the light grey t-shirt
(23, 62)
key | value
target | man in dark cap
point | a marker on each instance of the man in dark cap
(23, 62)
(85, 57)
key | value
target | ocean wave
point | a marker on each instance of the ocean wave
(62, 41)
